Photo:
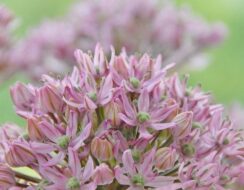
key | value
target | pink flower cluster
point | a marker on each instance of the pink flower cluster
(6, 25)
(139, 26)
(119, 123)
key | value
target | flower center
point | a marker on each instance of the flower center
(224, 178)
(92, 96)
(226, 141)
(63, 141)
(143, 116)
(188, 149)
(73, 184)
(138, 180)
(134, 82)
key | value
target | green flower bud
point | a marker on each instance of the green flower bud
(143, 116)
(134, 82)
(73, 184)
(188, 149)
(226, 141)
(138, 180)
(63, 141)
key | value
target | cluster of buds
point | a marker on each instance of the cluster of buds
(6, 25)
(161, 28)
(119, 123)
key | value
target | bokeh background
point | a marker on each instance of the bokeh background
(224, 76)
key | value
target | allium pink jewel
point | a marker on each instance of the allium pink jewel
(90, 130)
(161, 28)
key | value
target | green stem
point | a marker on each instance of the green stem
(167, 142)
(100, 115)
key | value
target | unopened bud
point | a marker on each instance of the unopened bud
(33, 129)
(19, 155)
(49, 100)
(165, 158)
(22, 96)
(7, 178)
(184, 124)
(111, 112)
(101, 149)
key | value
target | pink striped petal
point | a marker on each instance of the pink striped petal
(74, 162)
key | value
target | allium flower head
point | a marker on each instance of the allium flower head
(161, 28)
(90, 130)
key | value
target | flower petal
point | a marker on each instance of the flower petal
(128, 162)
(162, 126)
(143, 101)
(120, 177)
(79, 141)
(127, 119)
(74, 162)
(88, 170)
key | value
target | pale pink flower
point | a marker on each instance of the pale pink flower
(146, 115)
(90, 96)
(75, 178)
(60, 141)
(141, 175)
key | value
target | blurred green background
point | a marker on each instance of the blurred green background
(223, 77)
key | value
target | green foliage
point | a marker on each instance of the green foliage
(224, 76)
